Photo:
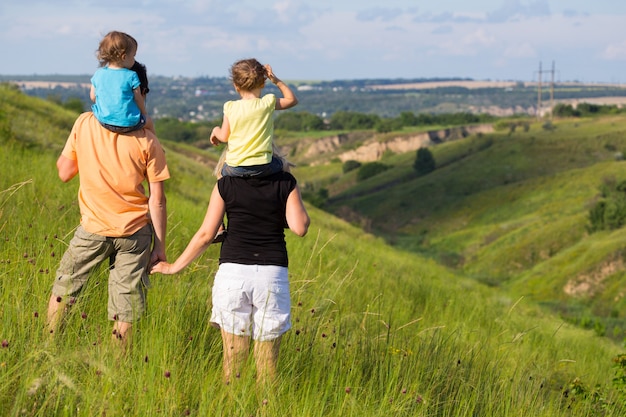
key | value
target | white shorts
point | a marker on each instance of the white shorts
(252, 300)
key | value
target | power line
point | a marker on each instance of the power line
(539, 92)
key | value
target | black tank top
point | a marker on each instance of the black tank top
(255, 209)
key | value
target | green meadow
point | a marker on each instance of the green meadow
(379, 329)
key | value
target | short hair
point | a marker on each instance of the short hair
(142, 73)
(248, 74)
(113, 46)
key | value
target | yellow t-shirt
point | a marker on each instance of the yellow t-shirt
(112, 168)
(251, 131)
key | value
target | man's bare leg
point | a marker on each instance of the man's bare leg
(122, 333)
(56, 310)
(236, 350)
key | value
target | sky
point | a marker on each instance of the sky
(583, 40)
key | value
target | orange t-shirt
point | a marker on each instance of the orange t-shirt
(112, 168)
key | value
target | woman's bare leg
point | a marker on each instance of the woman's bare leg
(236, 350)
(266, 358)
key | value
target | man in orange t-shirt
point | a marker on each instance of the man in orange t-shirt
(118, 221)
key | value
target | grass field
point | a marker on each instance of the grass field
(376, 331)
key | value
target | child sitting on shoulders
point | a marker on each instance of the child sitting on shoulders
(119, 104)
(248, 125)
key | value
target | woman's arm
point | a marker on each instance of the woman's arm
(297, 217)
(201, 240)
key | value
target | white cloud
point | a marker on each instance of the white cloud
(615, 52)
(523, 50)
(325, 39)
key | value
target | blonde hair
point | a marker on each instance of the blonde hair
(248, 74)
(220, 163)
(114, 46)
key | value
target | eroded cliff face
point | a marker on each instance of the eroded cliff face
(369, 147)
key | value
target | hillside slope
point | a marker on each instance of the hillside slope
(377, 331)
(510, 209)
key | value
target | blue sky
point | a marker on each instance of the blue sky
(326, 39)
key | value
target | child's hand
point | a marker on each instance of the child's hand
(214, 139)
(270, 74)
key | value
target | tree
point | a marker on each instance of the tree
(352, 120)
(424, 162)
(75, 104)
(299, 121)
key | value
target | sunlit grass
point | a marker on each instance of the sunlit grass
(376, 331)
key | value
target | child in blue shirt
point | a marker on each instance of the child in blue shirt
(115, 88)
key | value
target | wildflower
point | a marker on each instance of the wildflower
(5, 343)
(419, 399)
(167, 374)
(59, 299)
(404, 390)
(84, 315)
(36, 314)
(265, 401)
(348, 390)
(145, 359)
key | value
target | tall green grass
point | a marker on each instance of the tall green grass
(376, 331)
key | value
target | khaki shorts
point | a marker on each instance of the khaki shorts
(128, 269)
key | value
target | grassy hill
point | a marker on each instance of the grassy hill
(508, 209)
(378, 330)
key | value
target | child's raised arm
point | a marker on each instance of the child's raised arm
(289, 99)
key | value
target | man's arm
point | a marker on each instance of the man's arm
(67, 168)
(158, 214)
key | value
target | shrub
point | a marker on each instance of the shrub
(370, 169)
(609, 212)
(350, 165)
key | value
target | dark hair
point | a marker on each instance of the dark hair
(142, 73)
(248, 74)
